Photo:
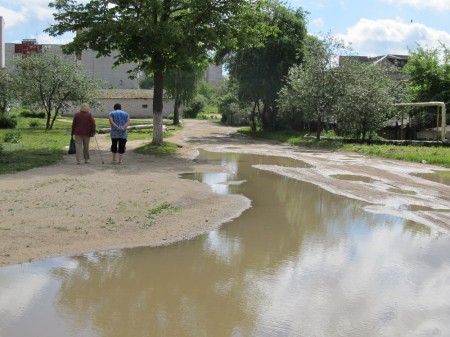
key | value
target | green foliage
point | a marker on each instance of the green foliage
(36, 147)
(431, 155)
(7, 90)
(160, 35)
(195, 107)
(34, 124)
(165, 206)
(366, 102)
(28, 113)
(165, 149)
(7, 121)
(54, 83)
(429, 80)
(429, 72)
(12, 137)
(312, 89)
(418, 154)
(259, 71)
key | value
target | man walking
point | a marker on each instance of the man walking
(119, 121)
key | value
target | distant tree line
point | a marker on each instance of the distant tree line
(278, 76)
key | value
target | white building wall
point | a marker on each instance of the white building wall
(136, 107)
(103, 68)
(214, 74)
(2, 43)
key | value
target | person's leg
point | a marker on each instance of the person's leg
(86, 148)
(114, 147)
(122, 142)
(79, 147)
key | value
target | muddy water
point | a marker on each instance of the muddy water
(299, 262)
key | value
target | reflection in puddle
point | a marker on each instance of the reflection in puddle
(400, 191)
(351, 177)
(418, 208)
(442, 177)
(300, 262)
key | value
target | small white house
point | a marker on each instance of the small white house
(137, 102)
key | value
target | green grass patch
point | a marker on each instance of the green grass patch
(160, 208)
(27, 147)
(165, 149)
(432, 155)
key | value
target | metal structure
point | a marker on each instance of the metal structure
(440, 111)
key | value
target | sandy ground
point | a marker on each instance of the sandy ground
(68, 209)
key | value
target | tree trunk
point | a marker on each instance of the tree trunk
(158, 108)
(319, 127)
(176, 113)
(252, 117)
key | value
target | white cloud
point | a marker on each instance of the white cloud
(64, 39)
(442, 5)
(13, 18)
(378, 37)
(318, 23)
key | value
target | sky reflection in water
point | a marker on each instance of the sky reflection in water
(299, 262)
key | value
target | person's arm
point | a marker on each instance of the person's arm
(127, 123)
(74, 121)
(93, 126)
(111, 121)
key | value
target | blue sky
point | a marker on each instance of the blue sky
(372, 27)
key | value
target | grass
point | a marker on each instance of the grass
(32, 146)
(29, 145)
(431, 155)
(165, 149)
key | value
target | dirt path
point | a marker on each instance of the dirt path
(67, 209)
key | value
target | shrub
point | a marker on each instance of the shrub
(8, 122)
(13, 137)
(31, 114)
(34, 124)
(195, 107)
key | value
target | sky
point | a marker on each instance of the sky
(370, 27)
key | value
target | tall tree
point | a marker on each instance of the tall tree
(260, 71)
(6, 90)
(160, 34)
(429, 80)
(53, 83)
(429, 72)
(369, 93)
(315, 86)
(181, 86)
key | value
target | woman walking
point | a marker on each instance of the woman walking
(119, 121)
(83, 128)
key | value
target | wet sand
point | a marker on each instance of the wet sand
(67, 209)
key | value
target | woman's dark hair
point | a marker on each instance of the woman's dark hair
(117, 106)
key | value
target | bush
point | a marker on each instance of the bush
(13, 137)
(8, 122)
(31, 114)
(195, 107)
(34, 124)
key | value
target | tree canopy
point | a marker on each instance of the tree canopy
(260, 71)
(53, 83)
(6, 90)
(354, 95)
(315, 86)
(160, 34)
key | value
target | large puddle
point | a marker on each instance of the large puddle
(300, 262)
